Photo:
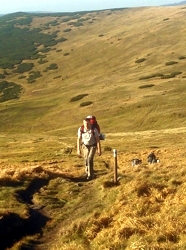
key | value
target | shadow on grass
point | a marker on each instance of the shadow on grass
(13, 228)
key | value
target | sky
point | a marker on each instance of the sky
(12, 6)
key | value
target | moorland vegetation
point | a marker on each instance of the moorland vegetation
(125, 66)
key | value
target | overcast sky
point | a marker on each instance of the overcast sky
(11, 6)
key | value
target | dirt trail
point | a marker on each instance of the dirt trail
(151, 132)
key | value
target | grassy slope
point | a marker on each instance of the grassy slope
(43, 123)
(101, 63)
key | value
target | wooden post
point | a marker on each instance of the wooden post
(115, 166)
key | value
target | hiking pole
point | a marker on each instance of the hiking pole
(115, 165)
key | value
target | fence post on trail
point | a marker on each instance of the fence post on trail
(115, 166)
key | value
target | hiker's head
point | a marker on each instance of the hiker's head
(86, 122)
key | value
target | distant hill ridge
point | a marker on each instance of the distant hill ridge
(176, 4)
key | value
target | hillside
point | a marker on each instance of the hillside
(127, 67)
(129, 59)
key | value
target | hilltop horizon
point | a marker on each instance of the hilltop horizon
(56, 6)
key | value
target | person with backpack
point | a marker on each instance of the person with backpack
(88, 141)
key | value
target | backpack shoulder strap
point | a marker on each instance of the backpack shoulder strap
(82, 129)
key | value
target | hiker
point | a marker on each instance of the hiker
(88, 140)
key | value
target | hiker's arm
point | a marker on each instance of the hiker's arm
(79, 145)
(98, 145)
(79, 142)
(98, 142)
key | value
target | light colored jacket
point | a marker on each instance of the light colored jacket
(88, 136)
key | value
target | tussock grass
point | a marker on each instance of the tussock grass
(133, 215)
(113, 215)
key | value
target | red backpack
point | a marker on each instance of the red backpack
(94, 124)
